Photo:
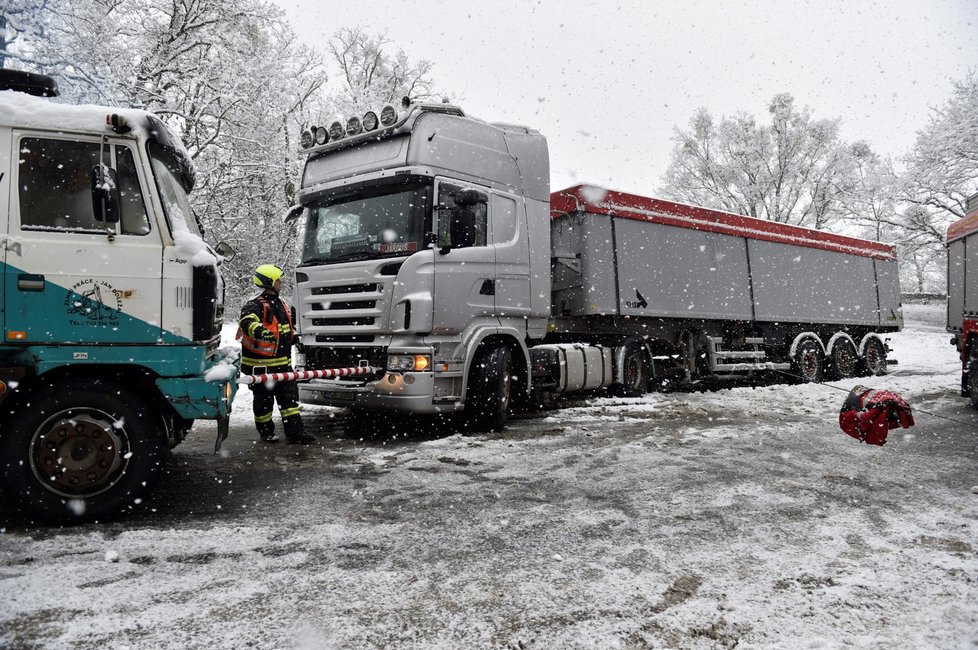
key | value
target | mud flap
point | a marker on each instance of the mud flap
(223, 426)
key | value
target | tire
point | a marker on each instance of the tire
(52, 469)
(973, 381)
(635, 373)
(808, 362)
(490, 387)
(844, 360)
(874, 358)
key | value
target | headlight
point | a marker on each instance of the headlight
(305, 140)
(353, 126)
(369, 121)
(321, 135)
(336, 131)
(388, 115)
(409, 362)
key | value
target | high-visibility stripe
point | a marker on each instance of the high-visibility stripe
(271, 361)
(289, 412)
(261, 419)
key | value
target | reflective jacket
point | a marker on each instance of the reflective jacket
(266, 331)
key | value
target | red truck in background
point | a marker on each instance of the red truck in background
(962, 295)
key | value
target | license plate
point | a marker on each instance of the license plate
(338, 396)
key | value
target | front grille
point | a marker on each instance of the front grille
(325, 358)
(357, 315)
(344, 288)
(344, 338)
(338, 322)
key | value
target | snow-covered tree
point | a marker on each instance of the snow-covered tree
(372, 72)
(942, 169)
(794, 170)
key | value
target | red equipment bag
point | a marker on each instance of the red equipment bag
(869, 414)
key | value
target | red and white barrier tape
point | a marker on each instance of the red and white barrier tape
(302, 375)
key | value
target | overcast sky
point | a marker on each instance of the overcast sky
(607, 82)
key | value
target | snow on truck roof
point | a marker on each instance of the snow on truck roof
(21, 110)
(596, 200)
(968, 224)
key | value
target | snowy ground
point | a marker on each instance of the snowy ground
(737, 518)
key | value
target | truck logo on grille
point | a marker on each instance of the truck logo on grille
(93, 302)
(641, 303)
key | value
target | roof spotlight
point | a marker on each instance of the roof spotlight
(388, 115)
(353, 126)
(369, 121)
(336, 131)
(305, 139)
(321, 135)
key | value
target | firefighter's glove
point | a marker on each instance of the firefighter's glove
(265, 334)
(299, 346)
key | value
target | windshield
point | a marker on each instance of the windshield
(383, 222)
(173, 196)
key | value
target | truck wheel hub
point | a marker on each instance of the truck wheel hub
(79, 452)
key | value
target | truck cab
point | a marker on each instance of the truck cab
(111, 307)
(426, 239)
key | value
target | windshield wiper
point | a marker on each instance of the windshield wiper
(352, 256)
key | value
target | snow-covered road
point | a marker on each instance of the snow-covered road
(743, 517)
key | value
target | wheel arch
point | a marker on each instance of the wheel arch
(518, 350)
(801, 338)
(839, 336)
(134, 376)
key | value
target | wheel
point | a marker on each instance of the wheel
(635, 373)
(973, 381)
(808, 361)
(490, 384)
(82, 451)
(874, 358)
(844, 360)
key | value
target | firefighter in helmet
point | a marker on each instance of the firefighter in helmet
(267, 333)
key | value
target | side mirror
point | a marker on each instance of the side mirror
(469, 198)
(225, 251)
(293, 213)
(105, 194)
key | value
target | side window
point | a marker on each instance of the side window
(503, 219)
(133, 219)
(460, 226)
(55, 183)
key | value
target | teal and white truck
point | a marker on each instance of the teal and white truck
(110, 308)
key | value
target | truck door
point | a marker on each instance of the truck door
(464, 278)
(72, 278)
(511, 248)
(5, 201)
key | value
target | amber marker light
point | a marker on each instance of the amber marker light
(421, 362)
(17, 336)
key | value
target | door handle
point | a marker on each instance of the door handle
(30, 282)
(10, 244)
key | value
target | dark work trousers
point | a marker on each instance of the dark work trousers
(286, 393)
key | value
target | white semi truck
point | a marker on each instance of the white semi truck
(435, 253)
(110, 309)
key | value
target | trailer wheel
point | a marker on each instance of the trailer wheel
(808, 362)
(635, 373)
(490, 385)
(844, 360)
(874, 358)
(82, 451)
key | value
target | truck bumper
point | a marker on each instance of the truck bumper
(195, 398)
(416, 392)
